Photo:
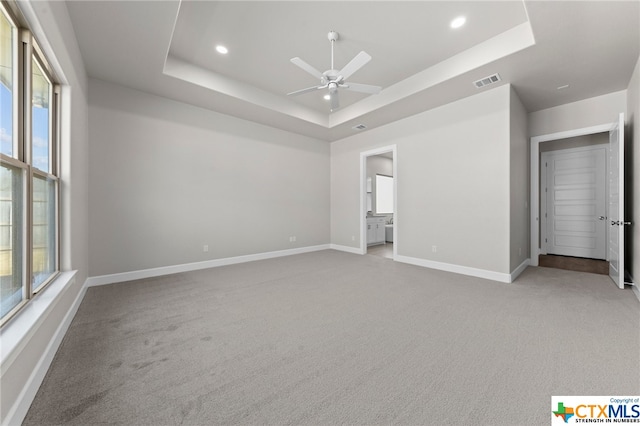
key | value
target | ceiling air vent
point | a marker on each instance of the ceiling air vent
(359, 127)
(487, 80)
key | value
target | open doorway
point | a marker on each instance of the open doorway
(573, 208)
(378, 202)
(612, 218)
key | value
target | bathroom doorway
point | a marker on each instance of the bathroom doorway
(378, 202)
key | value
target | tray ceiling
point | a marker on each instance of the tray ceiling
(168, 48)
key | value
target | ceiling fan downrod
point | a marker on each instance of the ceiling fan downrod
(332, 36)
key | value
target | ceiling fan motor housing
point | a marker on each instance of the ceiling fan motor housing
(331, 74)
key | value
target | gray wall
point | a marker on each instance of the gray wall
(519, 182)
(575, 142)
(633, 183)
(167, 178)
(577, 115)
(453, 182)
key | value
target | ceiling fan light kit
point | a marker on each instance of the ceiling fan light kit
(333, 79)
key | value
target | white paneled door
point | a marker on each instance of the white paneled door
(575, 185)
(616, 220)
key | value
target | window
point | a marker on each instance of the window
(12, 227)
(40, 118)
(8, 33)
(29, 180)
(384, 194)
(44, 258)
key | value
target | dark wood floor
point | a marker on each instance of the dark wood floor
(594, 266)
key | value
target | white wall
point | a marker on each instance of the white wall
(453, 172)
(25, 367)
(577, 115)
(575, 142)
(167, 178)
(633, 182)
(519, 182)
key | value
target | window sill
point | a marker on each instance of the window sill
(16, 333)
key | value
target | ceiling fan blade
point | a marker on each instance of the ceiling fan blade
(362, 88)
(355, 64)
(308, 68)
(335, 103)
(307, 90)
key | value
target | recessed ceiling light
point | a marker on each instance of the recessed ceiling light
(221, 49)
(327, 97)
(458, 22)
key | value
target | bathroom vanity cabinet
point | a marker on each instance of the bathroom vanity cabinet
(375, 230)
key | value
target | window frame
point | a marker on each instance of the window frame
(25, 49)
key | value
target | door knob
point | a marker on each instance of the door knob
(602, 218)
(614, 222)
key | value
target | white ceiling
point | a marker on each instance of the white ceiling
(168, 48)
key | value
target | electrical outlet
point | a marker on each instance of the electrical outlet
(353, 238)
(434, 248)
(205, 248)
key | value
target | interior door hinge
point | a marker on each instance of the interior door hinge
(545, 240)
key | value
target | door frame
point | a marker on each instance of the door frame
(393, 149)
(535, 250)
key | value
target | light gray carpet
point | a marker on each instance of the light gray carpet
(335, 338)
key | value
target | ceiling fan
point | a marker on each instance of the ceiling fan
(333, 79)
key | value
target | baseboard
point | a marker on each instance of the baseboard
(458, 269)
(16, 414)
(354, 250)
(520, 269)
(174, 269)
